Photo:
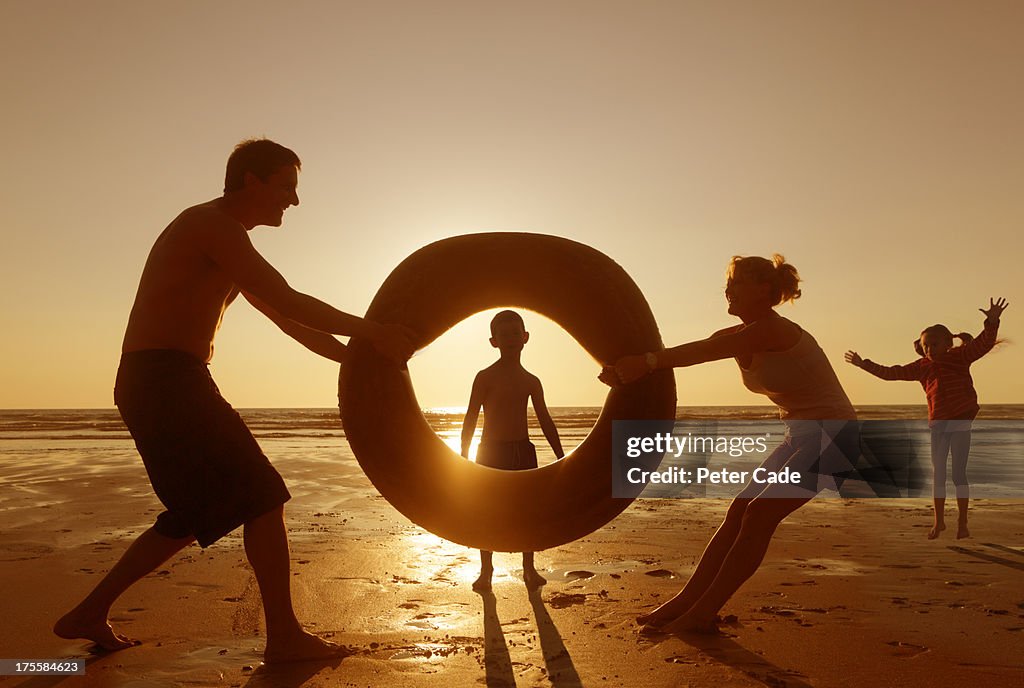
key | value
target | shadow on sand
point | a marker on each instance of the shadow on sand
(561, 670)
(498, 663)
(985, 556)
(289, 675)
(724, 650)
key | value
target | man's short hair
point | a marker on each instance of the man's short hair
(504, 317)
(262, 157)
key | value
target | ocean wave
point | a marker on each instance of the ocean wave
(87, 424)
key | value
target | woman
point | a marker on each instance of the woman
(780, 360)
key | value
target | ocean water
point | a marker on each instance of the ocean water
(40, 445)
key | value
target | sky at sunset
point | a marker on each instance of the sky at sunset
(878, 145)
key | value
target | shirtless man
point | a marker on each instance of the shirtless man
(503, 390)
(204, 464)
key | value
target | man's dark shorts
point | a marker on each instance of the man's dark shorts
(517, 455)
(204, 464)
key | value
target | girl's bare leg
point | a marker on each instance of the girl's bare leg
(939, 524)
(940, 451)
(961, 521)
(960, 448)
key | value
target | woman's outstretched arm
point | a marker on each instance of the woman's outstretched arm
(743, 340)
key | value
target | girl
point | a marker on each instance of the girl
(944, 372)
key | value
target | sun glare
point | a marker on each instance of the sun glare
(443, 372)
(440, 559)
(453, 438)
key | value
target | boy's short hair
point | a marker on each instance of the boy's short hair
(504, 317)
(262, 157)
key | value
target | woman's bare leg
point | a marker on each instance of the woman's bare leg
(760, 519)
(707, 568)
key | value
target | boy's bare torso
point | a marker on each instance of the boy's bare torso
(507, 390)
(182, 293)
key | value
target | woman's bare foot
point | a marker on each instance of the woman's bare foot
(650, 630)
(303, 647)
(664, 614)
(651, 620)
(936, 529)
(76, 624)
(693, 623)
(533, 579)
(961, 531)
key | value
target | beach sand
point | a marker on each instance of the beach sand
(851, 593)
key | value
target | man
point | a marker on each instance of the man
(203, 462)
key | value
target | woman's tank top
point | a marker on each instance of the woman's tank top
(800, 381)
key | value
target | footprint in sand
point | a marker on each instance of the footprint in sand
(902, 649)
(681, 660)
(579, 575)
(660, 573)
(424, 621)
(776, 611)
(560, 600)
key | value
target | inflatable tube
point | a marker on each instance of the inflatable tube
(435, 288)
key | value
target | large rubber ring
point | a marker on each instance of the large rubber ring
(435, 288)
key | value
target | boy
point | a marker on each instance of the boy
(503, 390)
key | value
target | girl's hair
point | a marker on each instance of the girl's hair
(964, 337)
(783, 277)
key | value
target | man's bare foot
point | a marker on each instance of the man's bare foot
(483, 582)
(75, 624)
(936, 529)
(962, 532)
(533, 579)
(303, 647)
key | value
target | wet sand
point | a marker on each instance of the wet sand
(851, 593)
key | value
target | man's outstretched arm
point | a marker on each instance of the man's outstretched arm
(316, 341)
(228, 245)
